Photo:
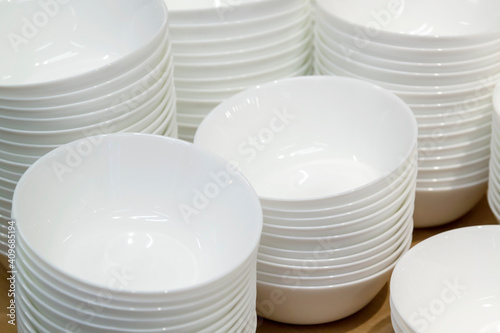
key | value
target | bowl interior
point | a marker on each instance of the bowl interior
(176, 208)
(310, 137)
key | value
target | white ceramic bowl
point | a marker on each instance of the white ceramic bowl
(456, 124)
(95, 39)
(455, 170)
(443, 272)
(331, 302)
(438, 206)
(450, 116)
(416, 24)
(292, 121)
(454, 159)
(123, 218)
(454, 138)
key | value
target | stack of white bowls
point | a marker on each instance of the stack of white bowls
(443, 66)
(449, 283)
(333, 161)
(71, 70)
(221, 48)
(494, 178)
(147, 234)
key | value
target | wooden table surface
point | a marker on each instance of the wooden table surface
(374, 318)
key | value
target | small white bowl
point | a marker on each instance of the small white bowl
(95, 39)
(455, 124)
(434, 207)
(132, 209)
(331, 302)
(301, 112)
(458, 180)
(454, 272)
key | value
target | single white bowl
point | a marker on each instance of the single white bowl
(434, 207)
(123, 217)
(290, 11)
(94, 38)
(331, 302)
(292, 121)
(444, 272)
(416, 24)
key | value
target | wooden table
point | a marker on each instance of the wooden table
(374, 318)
